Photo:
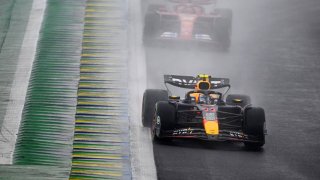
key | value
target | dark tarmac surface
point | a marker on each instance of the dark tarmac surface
(275, 58)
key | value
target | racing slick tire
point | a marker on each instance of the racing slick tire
(164, 119)
(223, 27)
(151, 24)
(254, 125)
(246, 100)
(150, 98)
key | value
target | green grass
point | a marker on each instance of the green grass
(47, 127)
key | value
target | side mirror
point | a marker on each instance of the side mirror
(174, 97)
(237, 101)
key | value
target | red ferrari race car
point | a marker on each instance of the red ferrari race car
(203, 113)
(197, 22)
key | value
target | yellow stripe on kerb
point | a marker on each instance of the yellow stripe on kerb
(101, 140)
(97, 5)
(96, 156)
(92, 172)
(96, 47)
(95, 10)
(99, 165)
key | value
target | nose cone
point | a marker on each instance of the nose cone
(211, 127)
(186, 26)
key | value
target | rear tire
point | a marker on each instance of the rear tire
(150, 98)
(151, 24)
(164, 120)
(254, 125)
(223, 27)
(246, 100)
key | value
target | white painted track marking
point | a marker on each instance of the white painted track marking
(142, 160)
(12, 119)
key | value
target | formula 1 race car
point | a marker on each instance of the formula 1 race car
(203, 113)
(198, 22)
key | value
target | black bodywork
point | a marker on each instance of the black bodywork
(189, 122)
(190, 117)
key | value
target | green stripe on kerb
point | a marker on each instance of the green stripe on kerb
(47, 127)
(101, 139)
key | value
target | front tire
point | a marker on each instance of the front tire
(254, 125)
(150, 98)
(164, 120)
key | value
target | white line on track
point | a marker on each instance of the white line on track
(12, 119)
(142, 160)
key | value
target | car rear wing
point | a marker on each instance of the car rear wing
(189, 82)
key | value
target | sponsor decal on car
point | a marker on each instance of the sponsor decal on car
(187, 131)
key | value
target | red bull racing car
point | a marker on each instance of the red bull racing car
(203, 113)
(193, 21)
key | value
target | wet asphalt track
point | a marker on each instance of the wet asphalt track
(275, 58)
